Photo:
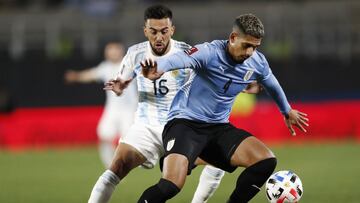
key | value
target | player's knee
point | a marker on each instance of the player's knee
(175, 169)
(126, 158)
(117, 166)
(266, 154)
(177, 178)
(121, 166)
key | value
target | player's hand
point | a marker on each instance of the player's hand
(117, 85)
(70, 76)
(253, 88)
(149, 69)
(298, 119)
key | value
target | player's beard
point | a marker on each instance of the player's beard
(237, 59)
(160, 51)
(240, 59)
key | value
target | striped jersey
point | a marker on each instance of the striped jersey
(155, 97)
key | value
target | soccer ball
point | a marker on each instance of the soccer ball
(283, 186)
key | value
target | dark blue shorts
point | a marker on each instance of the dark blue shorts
(215, 143)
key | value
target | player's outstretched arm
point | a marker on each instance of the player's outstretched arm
(292, 116)
(117, 85)
(84, 76)
(298, 119)
(149, 69)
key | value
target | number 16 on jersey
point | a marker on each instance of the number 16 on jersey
(160, 87)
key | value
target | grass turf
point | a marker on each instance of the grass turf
(329, 172)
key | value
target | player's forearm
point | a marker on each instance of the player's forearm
(273, 87)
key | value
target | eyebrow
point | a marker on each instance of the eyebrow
(162, 29)
(252, 45)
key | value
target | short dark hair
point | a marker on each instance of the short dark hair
(249, 24)
(157, 12)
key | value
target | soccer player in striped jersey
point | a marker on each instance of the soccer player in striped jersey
(142, 145)
(198, 123)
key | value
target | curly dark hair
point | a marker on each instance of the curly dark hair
(249, 24)
(157, 12)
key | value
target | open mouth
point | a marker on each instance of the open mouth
(159, 46)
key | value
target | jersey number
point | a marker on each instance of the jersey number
(227, 85)
(162, 89)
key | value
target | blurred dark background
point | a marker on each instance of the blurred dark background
(313, 46)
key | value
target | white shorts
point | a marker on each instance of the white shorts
(114, 123)
(147, 139)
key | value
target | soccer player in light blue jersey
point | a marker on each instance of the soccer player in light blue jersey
(198, 121)
(142, 144)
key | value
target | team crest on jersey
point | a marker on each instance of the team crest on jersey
(191, 50)
(175, 73)
(170, 144)
(248, 75)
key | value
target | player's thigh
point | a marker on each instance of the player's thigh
(250, 151)
(147, 140)
(179, 137)
(224, 140)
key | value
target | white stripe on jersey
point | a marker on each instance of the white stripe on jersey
(155, 97)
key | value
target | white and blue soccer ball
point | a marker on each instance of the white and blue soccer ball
(284, 186)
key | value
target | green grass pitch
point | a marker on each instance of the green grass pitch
(330, 173)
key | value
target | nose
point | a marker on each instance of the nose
(158, 36)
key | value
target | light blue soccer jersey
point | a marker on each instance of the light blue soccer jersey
(216, 80)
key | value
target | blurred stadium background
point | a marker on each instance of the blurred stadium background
(47, 129)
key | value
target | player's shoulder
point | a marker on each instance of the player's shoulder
(218, 43)
(214, 45)
(210, 48)
(258, 57)
(181, 45)
(258, 54)
(103, 65)
(258, 61)
(138, 48)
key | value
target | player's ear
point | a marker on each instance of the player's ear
(232, 37)
(145, 31)
(172, 30)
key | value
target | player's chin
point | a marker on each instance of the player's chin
(160, 51)
(240, 60)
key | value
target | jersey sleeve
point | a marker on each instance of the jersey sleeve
(195, 58)
(127, 68)
(274, 88)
